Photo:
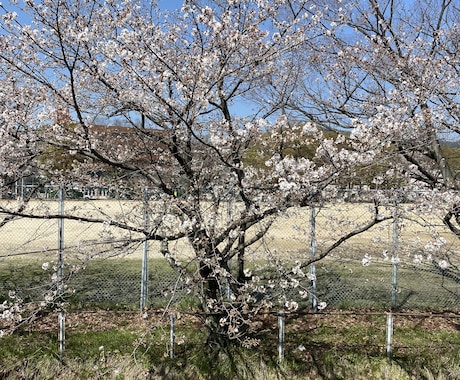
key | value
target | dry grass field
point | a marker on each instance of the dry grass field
(342, 279)
(289, 236)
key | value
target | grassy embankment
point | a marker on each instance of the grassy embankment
(344, 344)
(338, 346)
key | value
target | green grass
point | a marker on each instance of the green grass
(89, 345)
(336, 346)
(109, 283)
(19, 274)
(342, 284)
(346, 284)
(341, 347)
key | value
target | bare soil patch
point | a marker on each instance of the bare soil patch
(103, 320)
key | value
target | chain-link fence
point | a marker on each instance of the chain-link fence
(376, 255)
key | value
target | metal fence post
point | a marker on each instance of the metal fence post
(281, 336)
(172, 335)
(61, 317)
(145, 257)
(313, 296)
(389, 334)
(394, 282)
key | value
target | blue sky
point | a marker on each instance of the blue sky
(242, 108)
(170, 4)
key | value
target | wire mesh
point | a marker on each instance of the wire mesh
(105, 268)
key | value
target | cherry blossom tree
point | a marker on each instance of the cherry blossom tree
(179, 80)
(387, 71)
(199, 90)
(392, 79)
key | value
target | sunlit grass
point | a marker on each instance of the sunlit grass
(339, 346)
(342, 284)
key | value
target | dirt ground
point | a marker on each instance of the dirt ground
(110, 320)
(288, 236)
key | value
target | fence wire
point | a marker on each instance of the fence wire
(408, 260)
